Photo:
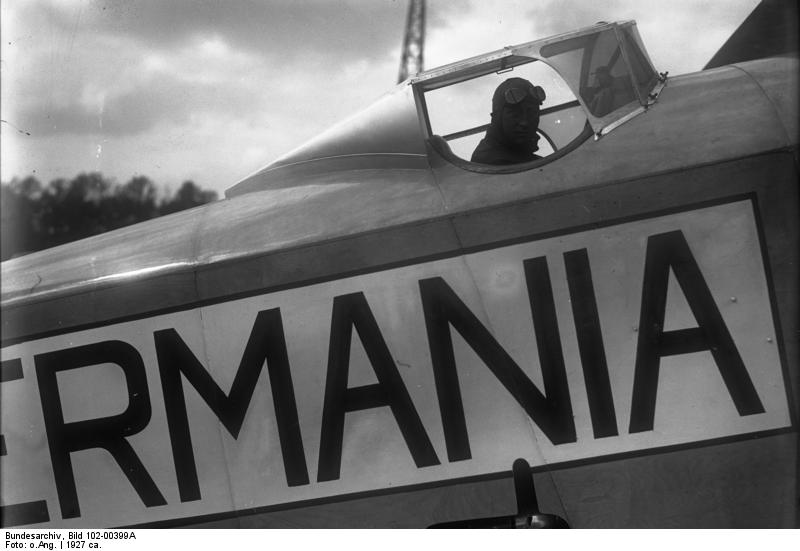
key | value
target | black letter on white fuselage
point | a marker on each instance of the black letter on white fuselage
(665, 251)
(353, 311)
(30, 512)
(552, 413)
(266, 343)
(108, 433)
(590, 343)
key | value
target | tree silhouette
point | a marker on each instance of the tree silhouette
(20, 219)
(34, 217)
(189, 195)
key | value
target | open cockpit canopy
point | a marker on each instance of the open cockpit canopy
(601, 75)
(595, 79)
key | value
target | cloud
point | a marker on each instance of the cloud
(476, 28)
(120, 67)
(680, 35)
(295, 29)
(213, 90)
(107, 91)
(681, 17)
(203, 109)
(440, 13)
(135, 110)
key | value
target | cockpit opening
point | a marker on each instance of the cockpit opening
(461, 113)
(593, 81)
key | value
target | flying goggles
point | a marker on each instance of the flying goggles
(517, 94)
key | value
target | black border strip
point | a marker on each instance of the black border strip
(393, 265)
(762, 242)
(228, 515)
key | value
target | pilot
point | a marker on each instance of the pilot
(512, 137)
(602, 102)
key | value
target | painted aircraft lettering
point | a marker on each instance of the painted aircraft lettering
(452, 328)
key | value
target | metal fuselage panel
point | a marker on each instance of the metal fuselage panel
(378, 285)
(701, 118)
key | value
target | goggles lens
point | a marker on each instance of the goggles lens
(517, 95)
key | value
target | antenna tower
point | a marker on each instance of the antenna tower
(411, 61)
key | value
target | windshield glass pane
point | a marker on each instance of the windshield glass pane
(461, 112)
(597, 64)
(644, 75)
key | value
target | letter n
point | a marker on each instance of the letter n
(665, 251)
(266, 344)
(443, 308)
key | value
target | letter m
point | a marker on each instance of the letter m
(266, 344)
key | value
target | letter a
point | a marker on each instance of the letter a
(665, 251)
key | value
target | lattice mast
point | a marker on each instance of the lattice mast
(411, 59)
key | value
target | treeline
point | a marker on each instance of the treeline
(36, 217)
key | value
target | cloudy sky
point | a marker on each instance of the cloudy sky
(212, 90)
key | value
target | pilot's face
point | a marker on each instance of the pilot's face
(520, 122)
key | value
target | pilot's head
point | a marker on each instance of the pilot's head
(515, 112)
